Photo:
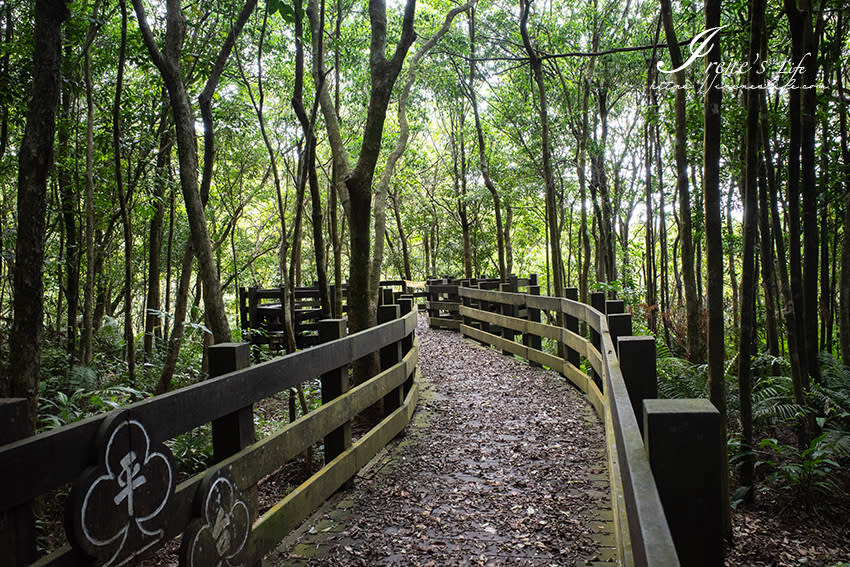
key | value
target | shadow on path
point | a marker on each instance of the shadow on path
(503, 464)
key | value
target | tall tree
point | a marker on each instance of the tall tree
(694, 336)
(552, 215)
(713, 98)
(483, 161)
(124, 202)
(169, 62)
(35, 158)
(355, 184)
(748, 283)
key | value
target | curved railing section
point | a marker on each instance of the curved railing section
(499, 318)
(125, 502)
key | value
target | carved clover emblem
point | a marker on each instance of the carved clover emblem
(116, 506)
(219, 536)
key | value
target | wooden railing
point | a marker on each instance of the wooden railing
(124, 504)
(679, 441)
(443, 302)
(261, 314)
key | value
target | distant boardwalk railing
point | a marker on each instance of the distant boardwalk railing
(261, 315)
(124, 503)
(680, 448)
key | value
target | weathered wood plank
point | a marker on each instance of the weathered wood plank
(507, 298)
(450, 306)
(444, 323)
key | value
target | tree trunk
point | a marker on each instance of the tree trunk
(768, 269)
(69, 200)
(169, 65)
(733, 276)
(844, 314)
(35, 158)
(402, 236)
(791, 327)
(795, 244)
(809, 191)
(482, 151)
(748, 281)
(694, 336)
(86, 352)
(714, 242)
(124, 203)
(307, 166)
(153, 315)
(548, 178)
(181, 304)
(355, 189)
(584, 234)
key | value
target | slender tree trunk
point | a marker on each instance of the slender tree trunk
(181, 304)
(748, 281)
(169, 65)
(694, 336)
(733, 276)
(308, 163)
(8, 28)
(405, 251)
(86, 352)
(35, 158)
(844, 313)
(809, 188)
(767, 262)
(153, 316)
(336, 177)
(795, 243)
(460, 171)
(124, 202)
(584, 233)
(714, 244)
(69, 200)
(789, 309)
(548, 177)
(482, 151)
(649, 238)
(664, 304)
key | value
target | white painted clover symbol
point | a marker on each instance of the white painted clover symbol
(117, 506)
(220, 535)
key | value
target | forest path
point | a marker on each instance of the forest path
(503, 464)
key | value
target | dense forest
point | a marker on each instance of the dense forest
(691, 158)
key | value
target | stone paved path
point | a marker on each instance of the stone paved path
(503, 465)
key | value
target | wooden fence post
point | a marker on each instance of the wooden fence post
(508, 310)
(637, 363)
(683, 442)
(334, 384)
(484, 306)
(233, 432)
(571, 324)
(405, 305)
(597, 301)
(17, 525)
(530, 339)
(619, 325)
(390, 355)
